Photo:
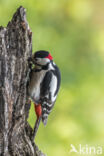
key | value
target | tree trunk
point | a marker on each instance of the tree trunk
(15, 49)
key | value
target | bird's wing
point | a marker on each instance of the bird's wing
(58, 76)
(45, 85)
(47, 90)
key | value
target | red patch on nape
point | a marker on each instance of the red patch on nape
(49, 57)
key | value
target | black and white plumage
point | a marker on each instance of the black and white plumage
(44, 83)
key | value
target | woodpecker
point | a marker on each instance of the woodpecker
(43, 86)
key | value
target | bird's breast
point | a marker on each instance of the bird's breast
(34, 86)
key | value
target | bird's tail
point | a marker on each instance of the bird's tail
(46, 109)
(44, 120)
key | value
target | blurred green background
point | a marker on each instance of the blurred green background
(73, 31)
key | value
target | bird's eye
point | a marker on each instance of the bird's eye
(36, 59)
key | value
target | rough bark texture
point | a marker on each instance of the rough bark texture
(15, 49)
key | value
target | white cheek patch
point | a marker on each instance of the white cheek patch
(43, 61)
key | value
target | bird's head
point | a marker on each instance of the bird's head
(41, 58)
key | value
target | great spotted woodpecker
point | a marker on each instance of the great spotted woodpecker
(43, 86)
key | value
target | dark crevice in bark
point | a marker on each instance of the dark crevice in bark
(15, 49)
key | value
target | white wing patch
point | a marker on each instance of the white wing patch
(53, 87)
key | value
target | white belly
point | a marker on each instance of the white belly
(34, 86)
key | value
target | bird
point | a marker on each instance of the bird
(44, 85)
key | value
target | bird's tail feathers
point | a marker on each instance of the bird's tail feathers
(44, 120)
(46, 109)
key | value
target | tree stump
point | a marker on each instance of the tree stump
(15, 49)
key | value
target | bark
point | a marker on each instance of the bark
(15, 49)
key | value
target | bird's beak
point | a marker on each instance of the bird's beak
(31, 59)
